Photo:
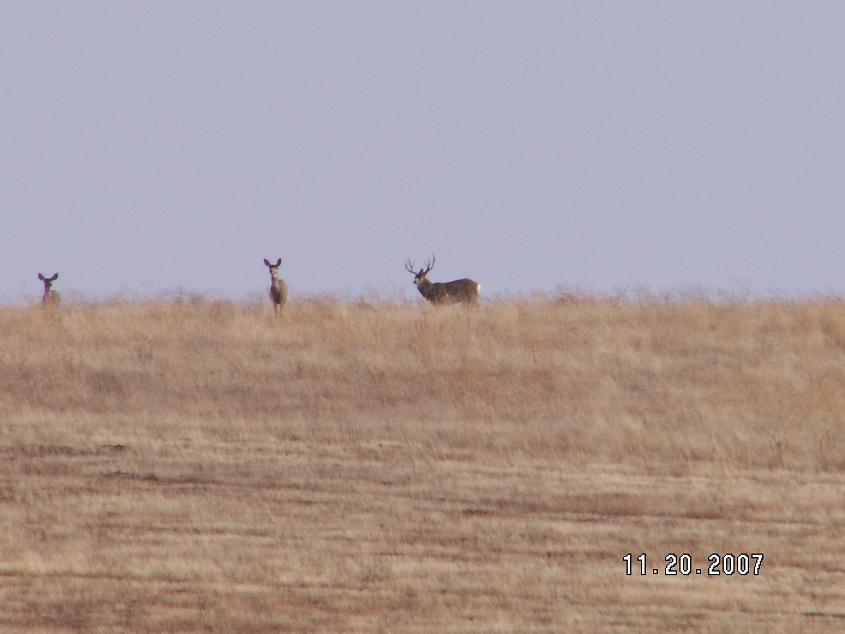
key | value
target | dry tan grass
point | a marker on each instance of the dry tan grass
(186, 466)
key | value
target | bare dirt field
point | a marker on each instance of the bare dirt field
(183, 466)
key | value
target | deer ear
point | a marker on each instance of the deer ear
(55, 277)
(40, 277)
(266, 262)
(279, 262)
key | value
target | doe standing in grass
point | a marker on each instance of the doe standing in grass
(278, 288)
(50, 297)
(464, 290)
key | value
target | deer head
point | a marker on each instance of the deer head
(274, 268)
(50, 296)
(420, 279)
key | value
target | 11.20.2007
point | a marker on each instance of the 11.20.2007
(727, 564)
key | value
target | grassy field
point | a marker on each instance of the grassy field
(367, 467)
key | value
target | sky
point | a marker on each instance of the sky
(157, 146)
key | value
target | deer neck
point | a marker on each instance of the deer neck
(425, 288)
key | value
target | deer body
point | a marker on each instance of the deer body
(278, 289)
(464, 290)
(50, 297)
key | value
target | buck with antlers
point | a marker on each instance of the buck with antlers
(278, 288)
(50, 297)
(464, 290)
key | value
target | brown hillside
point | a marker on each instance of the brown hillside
(187, 466)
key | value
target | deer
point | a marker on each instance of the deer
(278, 288)
(457, 291)
(50, 297)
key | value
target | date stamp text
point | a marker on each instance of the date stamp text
(718, 564)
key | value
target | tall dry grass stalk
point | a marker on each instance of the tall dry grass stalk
(186, 466)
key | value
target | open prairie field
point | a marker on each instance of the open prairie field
(183, 466)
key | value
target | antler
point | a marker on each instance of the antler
(429, 265)
(409, 266)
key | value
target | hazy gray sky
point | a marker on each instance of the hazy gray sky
(146, 146)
